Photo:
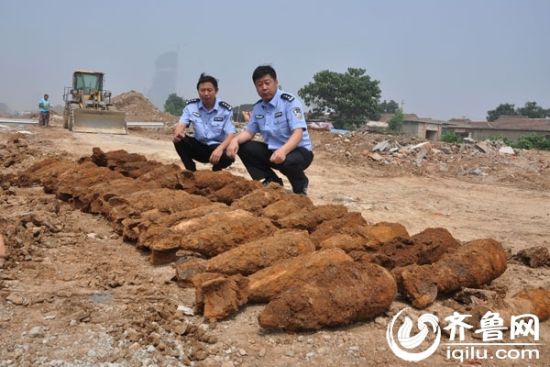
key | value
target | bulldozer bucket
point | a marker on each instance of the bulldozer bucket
(97, 121)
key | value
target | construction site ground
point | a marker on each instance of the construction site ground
(85, 297)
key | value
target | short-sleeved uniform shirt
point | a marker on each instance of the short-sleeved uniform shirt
(211, 127)
(277, 119)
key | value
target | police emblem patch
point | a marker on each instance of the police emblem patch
(298, 113)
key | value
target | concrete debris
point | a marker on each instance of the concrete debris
(421, 146)
(475, 171)
(507, 150)
(420, 157)
(382, 146)
(186, 310)
(409, 154)
(376, 157)
(483, 147)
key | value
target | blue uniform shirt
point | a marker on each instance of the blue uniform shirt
(211, 127)
(277, 119)
(44, 105)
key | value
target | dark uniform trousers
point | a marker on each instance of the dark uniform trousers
(190, 149)
(255, 156)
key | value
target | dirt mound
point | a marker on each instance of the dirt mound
(139, 108)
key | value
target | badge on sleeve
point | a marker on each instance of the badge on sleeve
(298, 113)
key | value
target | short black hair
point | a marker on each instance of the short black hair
(205, 78)
(262, 71)
(46, 95)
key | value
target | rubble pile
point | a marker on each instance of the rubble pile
(487, 161)
(138, 108)
(237, 242)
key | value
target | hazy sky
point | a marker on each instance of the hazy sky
(442, 58)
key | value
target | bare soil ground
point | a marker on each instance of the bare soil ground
(73, 293)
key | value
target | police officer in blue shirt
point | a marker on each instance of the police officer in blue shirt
(212, 122)
(279, 118)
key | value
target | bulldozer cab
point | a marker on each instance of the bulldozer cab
(88, 106)
(88, 81)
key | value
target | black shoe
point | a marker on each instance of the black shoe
(303, 189)
(276, 180)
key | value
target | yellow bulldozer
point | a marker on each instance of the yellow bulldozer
(88, 106)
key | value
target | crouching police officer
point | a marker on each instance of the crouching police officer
(212, 122)
(279, 118)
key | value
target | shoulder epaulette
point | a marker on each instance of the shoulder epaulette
(225, 105)
(194, 100)
(287, 97)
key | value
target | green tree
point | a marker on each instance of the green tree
(532, 110)
(174, 104)
(396, 122)
(503, 109)
(388, 107)
(351, 97)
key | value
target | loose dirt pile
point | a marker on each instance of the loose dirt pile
(139, 108)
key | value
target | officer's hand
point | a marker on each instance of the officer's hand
(216, 155)
(278, 156)
(232, 149)
(178, 133)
